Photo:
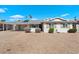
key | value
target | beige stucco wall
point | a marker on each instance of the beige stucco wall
(46, 27)
(77, 26)
(57, 27)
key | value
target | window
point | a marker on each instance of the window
(34, 26)
(51, 25)
(64, 25)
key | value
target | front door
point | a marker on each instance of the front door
(40, 26)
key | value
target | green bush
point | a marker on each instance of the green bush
(51, 30)
(72, 30)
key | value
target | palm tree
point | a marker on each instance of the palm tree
(29, 17)
(18, 20)
(25, 20)
(75, 18)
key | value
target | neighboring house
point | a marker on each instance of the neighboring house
(60, 25)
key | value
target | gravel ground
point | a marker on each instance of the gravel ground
(12, 42)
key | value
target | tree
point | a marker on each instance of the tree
(30, 16)
(18, 20)
(75, 18)
(26, 20)
(2, 20)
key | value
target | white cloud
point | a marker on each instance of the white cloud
(57, 17)
(12, 20)
(66, 14)
(3, 10)
(17, 16)
(34, 19)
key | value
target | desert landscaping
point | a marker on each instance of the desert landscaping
(19, 42)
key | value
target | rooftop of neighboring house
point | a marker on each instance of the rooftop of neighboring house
(59, 20)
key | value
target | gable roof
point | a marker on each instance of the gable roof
(59, 18)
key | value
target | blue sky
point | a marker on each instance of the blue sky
(39, 12)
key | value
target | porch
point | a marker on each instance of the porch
(21, 27)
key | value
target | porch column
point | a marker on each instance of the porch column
(77, 26)
(6, 26)
(3, 27)
(71, 26)
(14, 27)
(46, 27)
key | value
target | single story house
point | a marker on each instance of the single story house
(59, 24)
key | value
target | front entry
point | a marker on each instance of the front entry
(41, 27)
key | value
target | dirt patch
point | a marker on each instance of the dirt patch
(21, 42)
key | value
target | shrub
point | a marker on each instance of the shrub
(37, 30)
(27, 30)
(51, 30)
(72, 30)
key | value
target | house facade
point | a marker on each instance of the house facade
(59, 25)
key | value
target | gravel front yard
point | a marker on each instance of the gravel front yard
(21, 42)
